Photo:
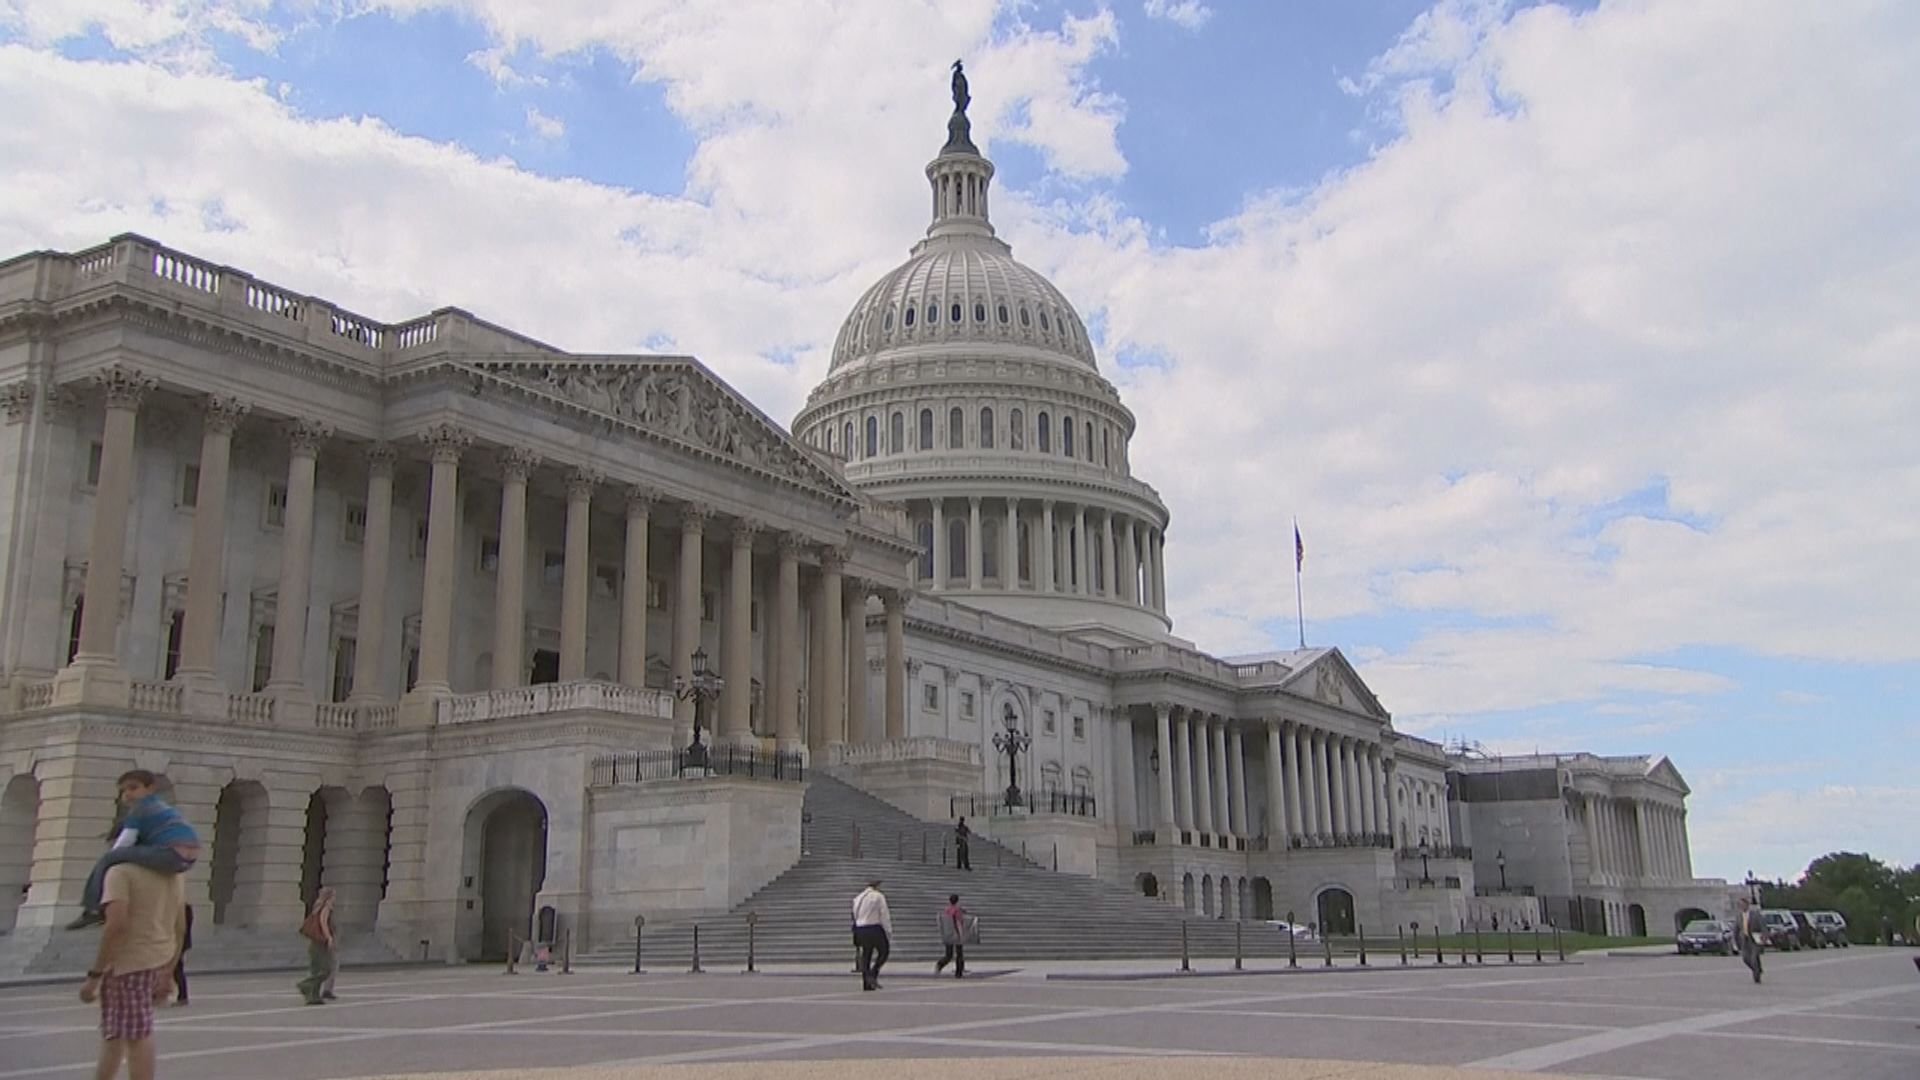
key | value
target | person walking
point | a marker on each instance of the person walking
(1748, 932)
(144, 913)
(954, 926)
(323, 950)
(961, 835)
(180, 964)
(872, 933)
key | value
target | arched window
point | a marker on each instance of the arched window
(1050, 778)
(873, 436)
(956, 428)
(923, 533)
(897, 433)
(1046, 434)
(908, 321)
(1026, 320)
(175, 625)
(886, 321)
(926, 429)
(1066, 435)
(1089, 440)
(1024, 551)
(986, 429)
(979, 311)
(846, 438)
(933, 312)
(953, 316)
(1043, 320)
(1003, 314)
(957, 548)
(1106, 448)
(1016, 430)
(73, 628)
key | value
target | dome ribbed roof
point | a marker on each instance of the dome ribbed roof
(962, 289)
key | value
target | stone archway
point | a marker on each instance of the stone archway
(1189, 900)
(1637, 920)
(1686, 915)
(1262, 898)
(1147, 884)
(237, 882)
(1206, 895)
(19, 819)
(1335, 908)
(506, 846)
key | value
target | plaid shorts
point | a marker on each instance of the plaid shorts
(126, 1004)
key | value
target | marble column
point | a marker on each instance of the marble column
(370, 635)
(785, 695)
(288, 676)
(1237, 767)
(1159, 571)
(1046, 546)
(1322, 785)
(940, 552)
(1290, 743)
(206, 562)
(1383, 798)
(1129, 564)
(1363, 788)
(686, 611)
(1203, 786)
(576, 574)
(896, 674)
(736, 647)
(1166, 821)
(633, 589)
(1125, 784)
(510, 576)
(1082, 566)
(1010, 548)
(1183, 785)
(1590, 818)
(854, 615)
(1278, 789)
(1686, 850)
(1109, 570)
(124, 389)
(833, 636)
(1222, 782)
(1337, 763)
(975, 556)
(1392, 811)
(447, 443)
(1643, 849)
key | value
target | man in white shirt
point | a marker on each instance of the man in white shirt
(872, 933)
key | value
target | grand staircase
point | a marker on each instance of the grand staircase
(1027, 911)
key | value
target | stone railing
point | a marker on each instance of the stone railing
(917, 748)
(347, 716)
(157, 697)
(548, 698)
(250, 708)
(36, 695)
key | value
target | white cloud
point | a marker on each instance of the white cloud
(1191, 14)
(549, 128)
(501, 69)
(1777, 833)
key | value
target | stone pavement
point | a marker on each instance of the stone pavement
(1850, 1014)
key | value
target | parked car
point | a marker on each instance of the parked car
(1782, 932)
(1809, 934)
(1300, 931)
(1832, 926)
(1706, 936)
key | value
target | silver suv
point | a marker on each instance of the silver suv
(1830, 925)
(1782, 932)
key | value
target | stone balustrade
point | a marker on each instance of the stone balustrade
(36, 695)
(917, 748)
(546, 699)
(158, 697)
(250, 708)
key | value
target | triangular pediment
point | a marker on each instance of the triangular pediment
(1663, 772)
(1328, 679)
(676, 400)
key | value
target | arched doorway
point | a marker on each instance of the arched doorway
(1335, 906)
(1686, 915)
(19, 818)
(1637, 920)
(1147, 884)
(238, 866)
(506, 844)
(1262, 898)
(1187, 897)
(1206, 895)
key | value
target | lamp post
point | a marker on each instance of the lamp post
(1012, 742)
(1500, 860)
(701, 688)
(1424, 879)
(1753, 888)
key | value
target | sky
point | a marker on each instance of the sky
(1581, 339)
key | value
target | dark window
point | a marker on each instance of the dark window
(1016, 433)
(73, 628)
(909, 318)
(956, 428)
(925, 537)
(846, 438)
(262, 658)
(933, 314)
(1106, 448)
(986, 429)
(926, 429)
(546, 667)
(1024, 544)
(873, 436)
(1025, 319)
(1046, 434)
(979, 312)
(957, 548)
(954, 315)
(343, 652)
(95, 452)
(1089, 440)
(1043, 320)
(1066, 435)
(886, 321)
(897, 434)
(1003, 314)
(175, 625)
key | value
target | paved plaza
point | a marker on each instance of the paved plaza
(1847, 1014)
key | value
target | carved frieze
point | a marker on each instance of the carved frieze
(17, 399)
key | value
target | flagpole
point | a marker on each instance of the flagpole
(1299, 607)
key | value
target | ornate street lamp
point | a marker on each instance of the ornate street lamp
(1753, 888)
(1012, 742)
(1500, 860)
(1153, 760)
(1424, 879)
(701, 688)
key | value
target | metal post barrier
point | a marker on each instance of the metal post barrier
(1363, 944)
(1560, 944)
(566, 952)
(1439, 947)
(1326, 947)
(1509, 943)
(513, 954)
(1416, 941)
(1293, 958)
(1056, 857)
(1537, 958)
(1237, 965)
(1185, 963)
(1401, 933)
(1478, 956)
(639, 925)
(696, 969)
(753, 919)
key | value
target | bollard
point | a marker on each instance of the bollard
(513, 954)
(696, 969)
(1509, 943)
(1293, 959)
(1401, 933)
(1363, 944)
(1416, 941)
(1326, 946)
(753, 919)
(1537, 958)
(1185, 964)
(639, 923)
(426, 949)
(1440, 948)
(566, 953)
(1056, 858)
(1559, 945)
(1237, 965)
(1478, 956)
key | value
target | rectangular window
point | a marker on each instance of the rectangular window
(94, 453)
(276, 506)
(606, 581)
(343, 652)
(1047, 726)
(189, 487)
(1080, 727)
(262, 657)
(966, 704)
(489, 554)
(354, 529)
(420, 538)
(931, 696)
(553, 566)
(656, 594)
(176, 624)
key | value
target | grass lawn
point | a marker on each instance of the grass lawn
(1492, 942)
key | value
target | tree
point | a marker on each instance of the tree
(1858, 886)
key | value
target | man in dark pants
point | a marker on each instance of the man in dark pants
(872, 933)
(961, 834)
(180, 965)
(1748, 929)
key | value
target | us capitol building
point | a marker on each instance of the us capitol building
(402, 608)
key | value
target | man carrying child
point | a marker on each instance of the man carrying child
(152, 834)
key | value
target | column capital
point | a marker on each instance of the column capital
(894, 600)
(221, 413)
(640, 499)
(517, 463)
(833, 559)
(17, 400)
(581, 482)
(381, 457)
(694, 517)
(973, 501)
(446, 442)
(743, 533)
(124, 387)
(1163, 710)
(791, 545)
(305, 436)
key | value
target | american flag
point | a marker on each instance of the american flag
(1299, 550)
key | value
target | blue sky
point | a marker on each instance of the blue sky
(1592, 445)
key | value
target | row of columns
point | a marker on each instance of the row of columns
(839, 606)
(1132, 563)
(1635, 839)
